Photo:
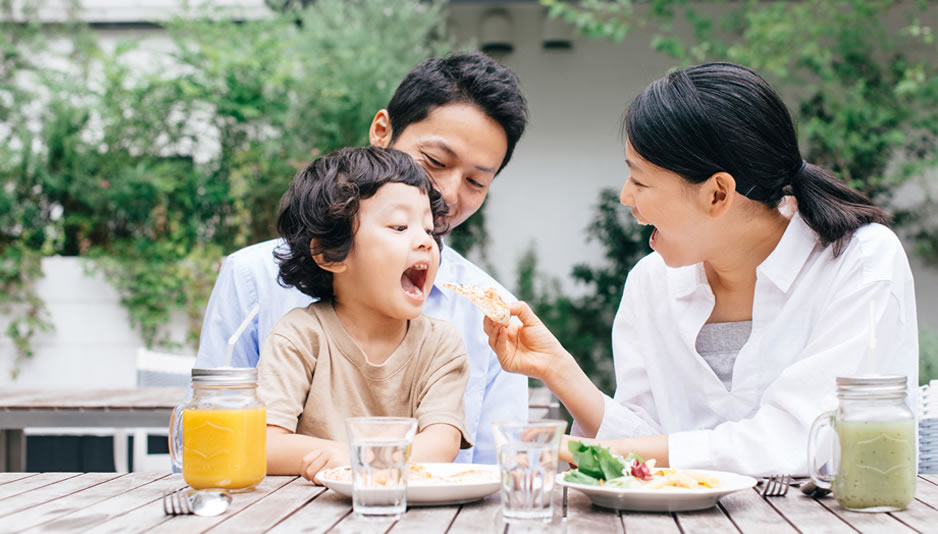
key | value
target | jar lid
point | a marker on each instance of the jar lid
(875, 385)
(225, 375)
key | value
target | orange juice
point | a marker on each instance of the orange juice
(224, 448)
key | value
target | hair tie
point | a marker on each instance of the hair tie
(791, 176)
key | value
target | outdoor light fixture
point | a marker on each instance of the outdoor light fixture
(556, 34)
(495, 32)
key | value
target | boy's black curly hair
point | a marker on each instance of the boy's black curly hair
(318, 213)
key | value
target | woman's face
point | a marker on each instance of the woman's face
(672, 205)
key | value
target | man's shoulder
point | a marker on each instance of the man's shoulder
(457, 269)
(259, 256)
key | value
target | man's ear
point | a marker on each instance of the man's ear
(380, 132)
(718, 193)
(332, 267)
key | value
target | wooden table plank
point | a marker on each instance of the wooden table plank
(710, 520)
(808, 515)
(143, 517)
(318, 516)
(354, 525)
(930, 478)
(44, 513)
(6, 478)
(919, 516)
(926, 492)
(582, 516)
(46, 493)
(426, 519)
(239, 501)
(649, 523)
(93, 399)
(99, 514)
(476, 517)
(30, 483)
(867, 522)
(273, 508)
(750, 512)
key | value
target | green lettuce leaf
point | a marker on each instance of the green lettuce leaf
(577, 477)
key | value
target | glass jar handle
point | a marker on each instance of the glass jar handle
(175, 438)
(823, 421)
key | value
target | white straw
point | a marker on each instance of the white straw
(871, 349)
(234, 337)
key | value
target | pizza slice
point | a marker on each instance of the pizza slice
(487, 300)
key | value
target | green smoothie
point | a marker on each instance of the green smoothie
(877, 464)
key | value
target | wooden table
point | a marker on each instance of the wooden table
(101, 408)
(108, 502)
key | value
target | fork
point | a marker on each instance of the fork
(775, 486)
(176, 503)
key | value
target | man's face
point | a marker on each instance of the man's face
(461, 148)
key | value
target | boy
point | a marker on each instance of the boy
(460, 118)
(362, 229)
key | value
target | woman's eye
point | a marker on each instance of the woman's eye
(399, 227)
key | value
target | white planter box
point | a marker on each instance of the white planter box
(92, 346)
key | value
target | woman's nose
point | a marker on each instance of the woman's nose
(625, 196)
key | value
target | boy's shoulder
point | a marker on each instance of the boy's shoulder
(301, 326)
(440, 335)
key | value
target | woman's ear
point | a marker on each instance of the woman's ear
(718, 192)
(332, 267)
(379, 134)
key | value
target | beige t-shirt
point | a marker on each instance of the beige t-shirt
(312, 375)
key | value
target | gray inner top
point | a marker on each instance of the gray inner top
(719, 343)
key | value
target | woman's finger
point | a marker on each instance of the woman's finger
(525, 313)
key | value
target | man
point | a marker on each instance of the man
(459, 117)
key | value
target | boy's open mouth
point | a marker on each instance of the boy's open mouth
(414, 278)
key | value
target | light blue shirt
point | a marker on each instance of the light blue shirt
(249, 277)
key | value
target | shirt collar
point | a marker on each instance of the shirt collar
(790, 255)
(780, 268)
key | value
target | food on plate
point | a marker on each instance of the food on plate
(419, 474)
(598, 466)
(487, 300)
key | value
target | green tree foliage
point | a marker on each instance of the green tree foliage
(156, 168)
(865, 98)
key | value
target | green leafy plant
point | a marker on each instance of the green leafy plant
(155, 173)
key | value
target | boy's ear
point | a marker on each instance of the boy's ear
(380, 132)
(332, 267)
(718, 193)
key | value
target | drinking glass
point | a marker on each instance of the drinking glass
(380, 454)
(527, 462)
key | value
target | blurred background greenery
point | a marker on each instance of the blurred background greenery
(155, 174)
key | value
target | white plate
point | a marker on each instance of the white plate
(431, 492)
(663, 499)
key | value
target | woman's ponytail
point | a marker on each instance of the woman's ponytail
(831, 208)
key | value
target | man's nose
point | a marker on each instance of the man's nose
(447, 183)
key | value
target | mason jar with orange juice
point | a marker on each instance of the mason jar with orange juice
(224, 431)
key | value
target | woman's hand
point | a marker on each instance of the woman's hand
(527, 348)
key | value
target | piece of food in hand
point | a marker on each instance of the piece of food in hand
(487, 300)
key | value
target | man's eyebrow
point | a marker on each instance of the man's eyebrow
(441, 144)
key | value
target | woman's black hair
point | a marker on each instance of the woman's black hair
(319, 212)
(715, 117)
(473, 79)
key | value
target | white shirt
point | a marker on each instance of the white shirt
(810, 324)
(249, 276)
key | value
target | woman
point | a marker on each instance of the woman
(758, 293)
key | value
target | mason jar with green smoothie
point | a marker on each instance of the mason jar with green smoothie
(874, 451)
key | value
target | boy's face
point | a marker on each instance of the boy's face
(394, 257)
(461, 149)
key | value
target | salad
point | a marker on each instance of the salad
(598, 466)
